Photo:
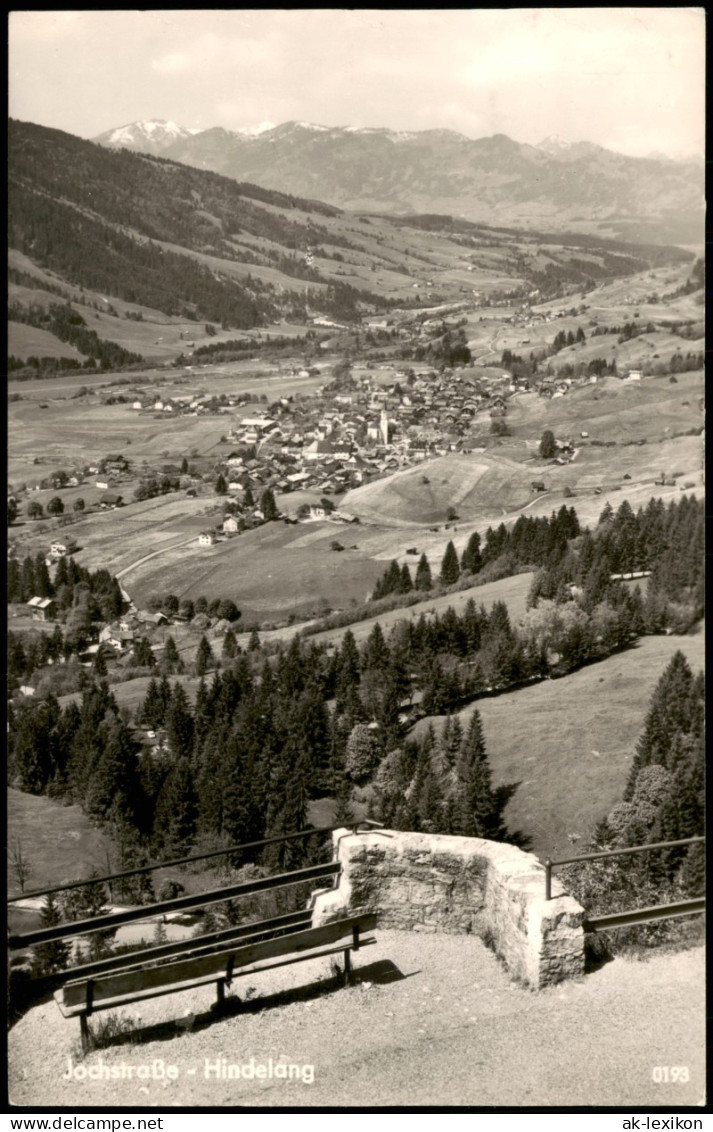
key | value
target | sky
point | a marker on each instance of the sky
(630, 79)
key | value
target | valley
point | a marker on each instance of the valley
(303, 398)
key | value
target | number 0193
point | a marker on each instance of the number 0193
(663, 1074)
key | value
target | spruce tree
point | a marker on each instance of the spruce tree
(176, 811)
(179, 724)
(49, 958)
(171, 663)
(480, 808)
(471, 559)
(230, 645)
(423, 574)
(143, 653)
(450, 569)
(204, 656)
(268, 505)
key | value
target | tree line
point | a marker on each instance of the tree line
(663, 801)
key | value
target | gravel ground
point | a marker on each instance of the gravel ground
(429, 1020)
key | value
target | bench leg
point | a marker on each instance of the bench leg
(86, 1036)
(347, 967)
(220, 995)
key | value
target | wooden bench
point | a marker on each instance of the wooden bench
(80, 998)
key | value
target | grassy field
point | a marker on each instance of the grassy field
(58, 841)
(116, 539)
(478, 485)
(513, 591)
(29, 341)
(132, 693)
(269, 572)
(569, 743)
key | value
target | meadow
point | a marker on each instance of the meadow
(269, 572)
(55, 848)
(569, 742)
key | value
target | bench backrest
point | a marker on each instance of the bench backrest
(126, 983)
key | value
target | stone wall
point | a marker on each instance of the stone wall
(434, 883)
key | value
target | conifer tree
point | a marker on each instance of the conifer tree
(406, 584)
(480, 807)
(179, 723)
(230, 645)
(100, 668)
(204, 656)
(450, 569)
(268, 505)
(49, 958)
(423, 574)
(176, 811)
(171, 663)
(471, 559)
(143, 653)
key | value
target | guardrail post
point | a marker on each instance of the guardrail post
(548, 879)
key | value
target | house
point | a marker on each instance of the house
(206, 538)
(102, 484)
(153, 618)
(117, 638)
(26, 690)
(538, 485)
(230, 525)
(58, 549)
(43, 608)
(111, 499)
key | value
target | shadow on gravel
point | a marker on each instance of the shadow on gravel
(380, 973)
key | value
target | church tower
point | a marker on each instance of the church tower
(384, 426)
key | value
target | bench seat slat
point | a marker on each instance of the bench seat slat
(212, 941)
(163, 979)
(78, 1009)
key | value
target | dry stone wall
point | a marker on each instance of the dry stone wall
(435, 883)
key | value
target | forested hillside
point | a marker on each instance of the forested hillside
(97, 218)
(278, 727)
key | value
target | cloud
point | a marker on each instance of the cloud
(172, 64)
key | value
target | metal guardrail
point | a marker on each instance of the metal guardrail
(635, 915)
(234, 849)
(180, 904)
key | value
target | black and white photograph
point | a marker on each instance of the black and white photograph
(355, 571)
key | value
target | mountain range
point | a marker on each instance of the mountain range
(493, 180)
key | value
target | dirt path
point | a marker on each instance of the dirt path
(155, 554)
(431, 1020)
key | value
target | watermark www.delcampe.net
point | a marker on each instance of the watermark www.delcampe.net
(210, 1069)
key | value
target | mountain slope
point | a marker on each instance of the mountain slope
(149, 243)
(490, 179)
(153, 136)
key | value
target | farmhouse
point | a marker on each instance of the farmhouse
(206, 538)
(538, 485)
(118, 638)
(230, 525)
(43, 608)
(111, 499)
(58, 549)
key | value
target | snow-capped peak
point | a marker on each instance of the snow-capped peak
(313, 126)
(150, 135)
(254, 131)
(554, 143)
